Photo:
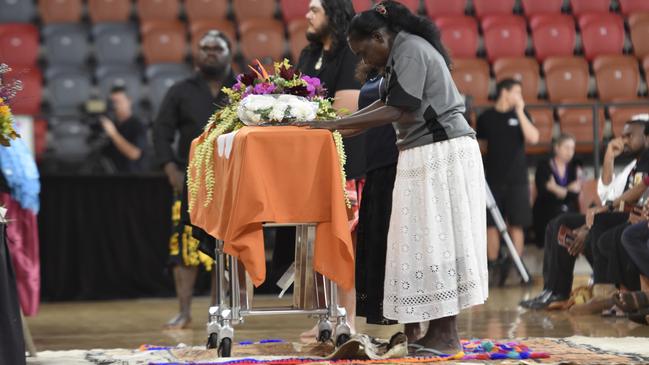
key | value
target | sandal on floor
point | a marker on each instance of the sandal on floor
(631, 302)
(641, 317)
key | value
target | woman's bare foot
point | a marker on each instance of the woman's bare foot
(442, 336)
(180, 321)
(413, 331)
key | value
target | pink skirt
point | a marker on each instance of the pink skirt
(22, 240)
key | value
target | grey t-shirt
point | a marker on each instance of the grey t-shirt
(419, 81)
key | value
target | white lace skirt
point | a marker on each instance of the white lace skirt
(437, 243)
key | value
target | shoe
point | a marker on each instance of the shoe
(544, 300)
(528, 302)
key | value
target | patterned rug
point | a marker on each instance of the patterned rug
(573, 350)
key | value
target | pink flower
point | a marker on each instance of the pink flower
(313, 85)
(264, 88)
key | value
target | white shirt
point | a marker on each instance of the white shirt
(616, 188)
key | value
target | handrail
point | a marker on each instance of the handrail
(594, 106)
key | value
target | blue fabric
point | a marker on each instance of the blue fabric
(20, 172)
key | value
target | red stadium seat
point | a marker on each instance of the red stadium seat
(536, 7)
(157, 10)
(566, 78)
(471, 77)
(444, 8)
(206, 9)
(18, 44)
(114, 11)
(459, 35)
(262, 39)
(525, 70)
(413, 5)
(579, 123)
(639, 25)
(297, 38)
(493, 7)
(61, 11)
(246, 10)
(622, 114)
(28, 101)
(504, 36)
(362, 5)
(163, 42)
(617, 77)
(602, 34)
(581, 7)
(293, 9)
(197, 29)
(553, 35)
(633, 6)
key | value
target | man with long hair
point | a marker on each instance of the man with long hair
(329, 58)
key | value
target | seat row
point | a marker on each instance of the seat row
(121, 10)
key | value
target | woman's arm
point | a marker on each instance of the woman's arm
(379, 116)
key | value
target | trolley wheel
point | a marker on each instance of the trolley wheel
(341, 339)
(225, 348)
(212, 341)
(324, 336)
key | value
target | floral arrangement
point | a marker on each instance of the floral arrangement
(7, 92)
(261, 98)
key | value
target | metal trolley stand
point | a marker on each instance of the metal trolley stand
(313, 295)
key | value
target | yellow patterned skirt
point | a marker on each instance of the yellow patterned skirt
(183, 247)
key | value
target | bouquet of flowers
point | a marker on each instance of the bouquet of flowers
(260, 98)
(7, 92)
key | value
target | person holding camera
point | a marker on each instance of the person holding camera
(126, 133)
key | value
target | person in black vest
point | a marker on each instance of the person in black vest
(186, 109)
(329, 58)
(502, 132)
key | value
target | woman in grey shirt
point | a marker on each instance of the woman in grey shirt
(436, 262)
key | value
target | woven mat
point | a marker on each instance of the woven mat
(561, 352)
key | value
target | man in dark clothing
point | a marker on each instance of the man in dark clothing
(186, 109)
(502, 132)
(127, 135)
(598, 223)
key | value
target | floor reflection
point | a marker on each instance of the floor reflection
(128, 324)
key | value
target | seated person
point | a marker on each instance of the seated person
(127, 135)
(558, 184)
(559, 260)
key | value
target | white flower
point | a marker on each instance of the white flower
(278, 112)
(258, 102)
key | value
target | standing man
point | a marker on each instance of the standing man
(185, 110)
(502, 132)
(329, 58)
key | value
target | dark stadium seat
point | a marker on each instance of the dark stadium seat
(16, 11)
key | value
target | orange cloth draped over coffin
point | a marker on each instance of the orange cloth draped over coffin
(279, 175)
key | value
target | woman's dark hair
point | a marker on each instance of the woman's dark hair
(395, 17)
(364, 72)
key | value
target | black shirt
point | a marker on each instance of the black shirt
(134, 131)
(186, 108)
(337, 73)
(380, 142)
(505, 161)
